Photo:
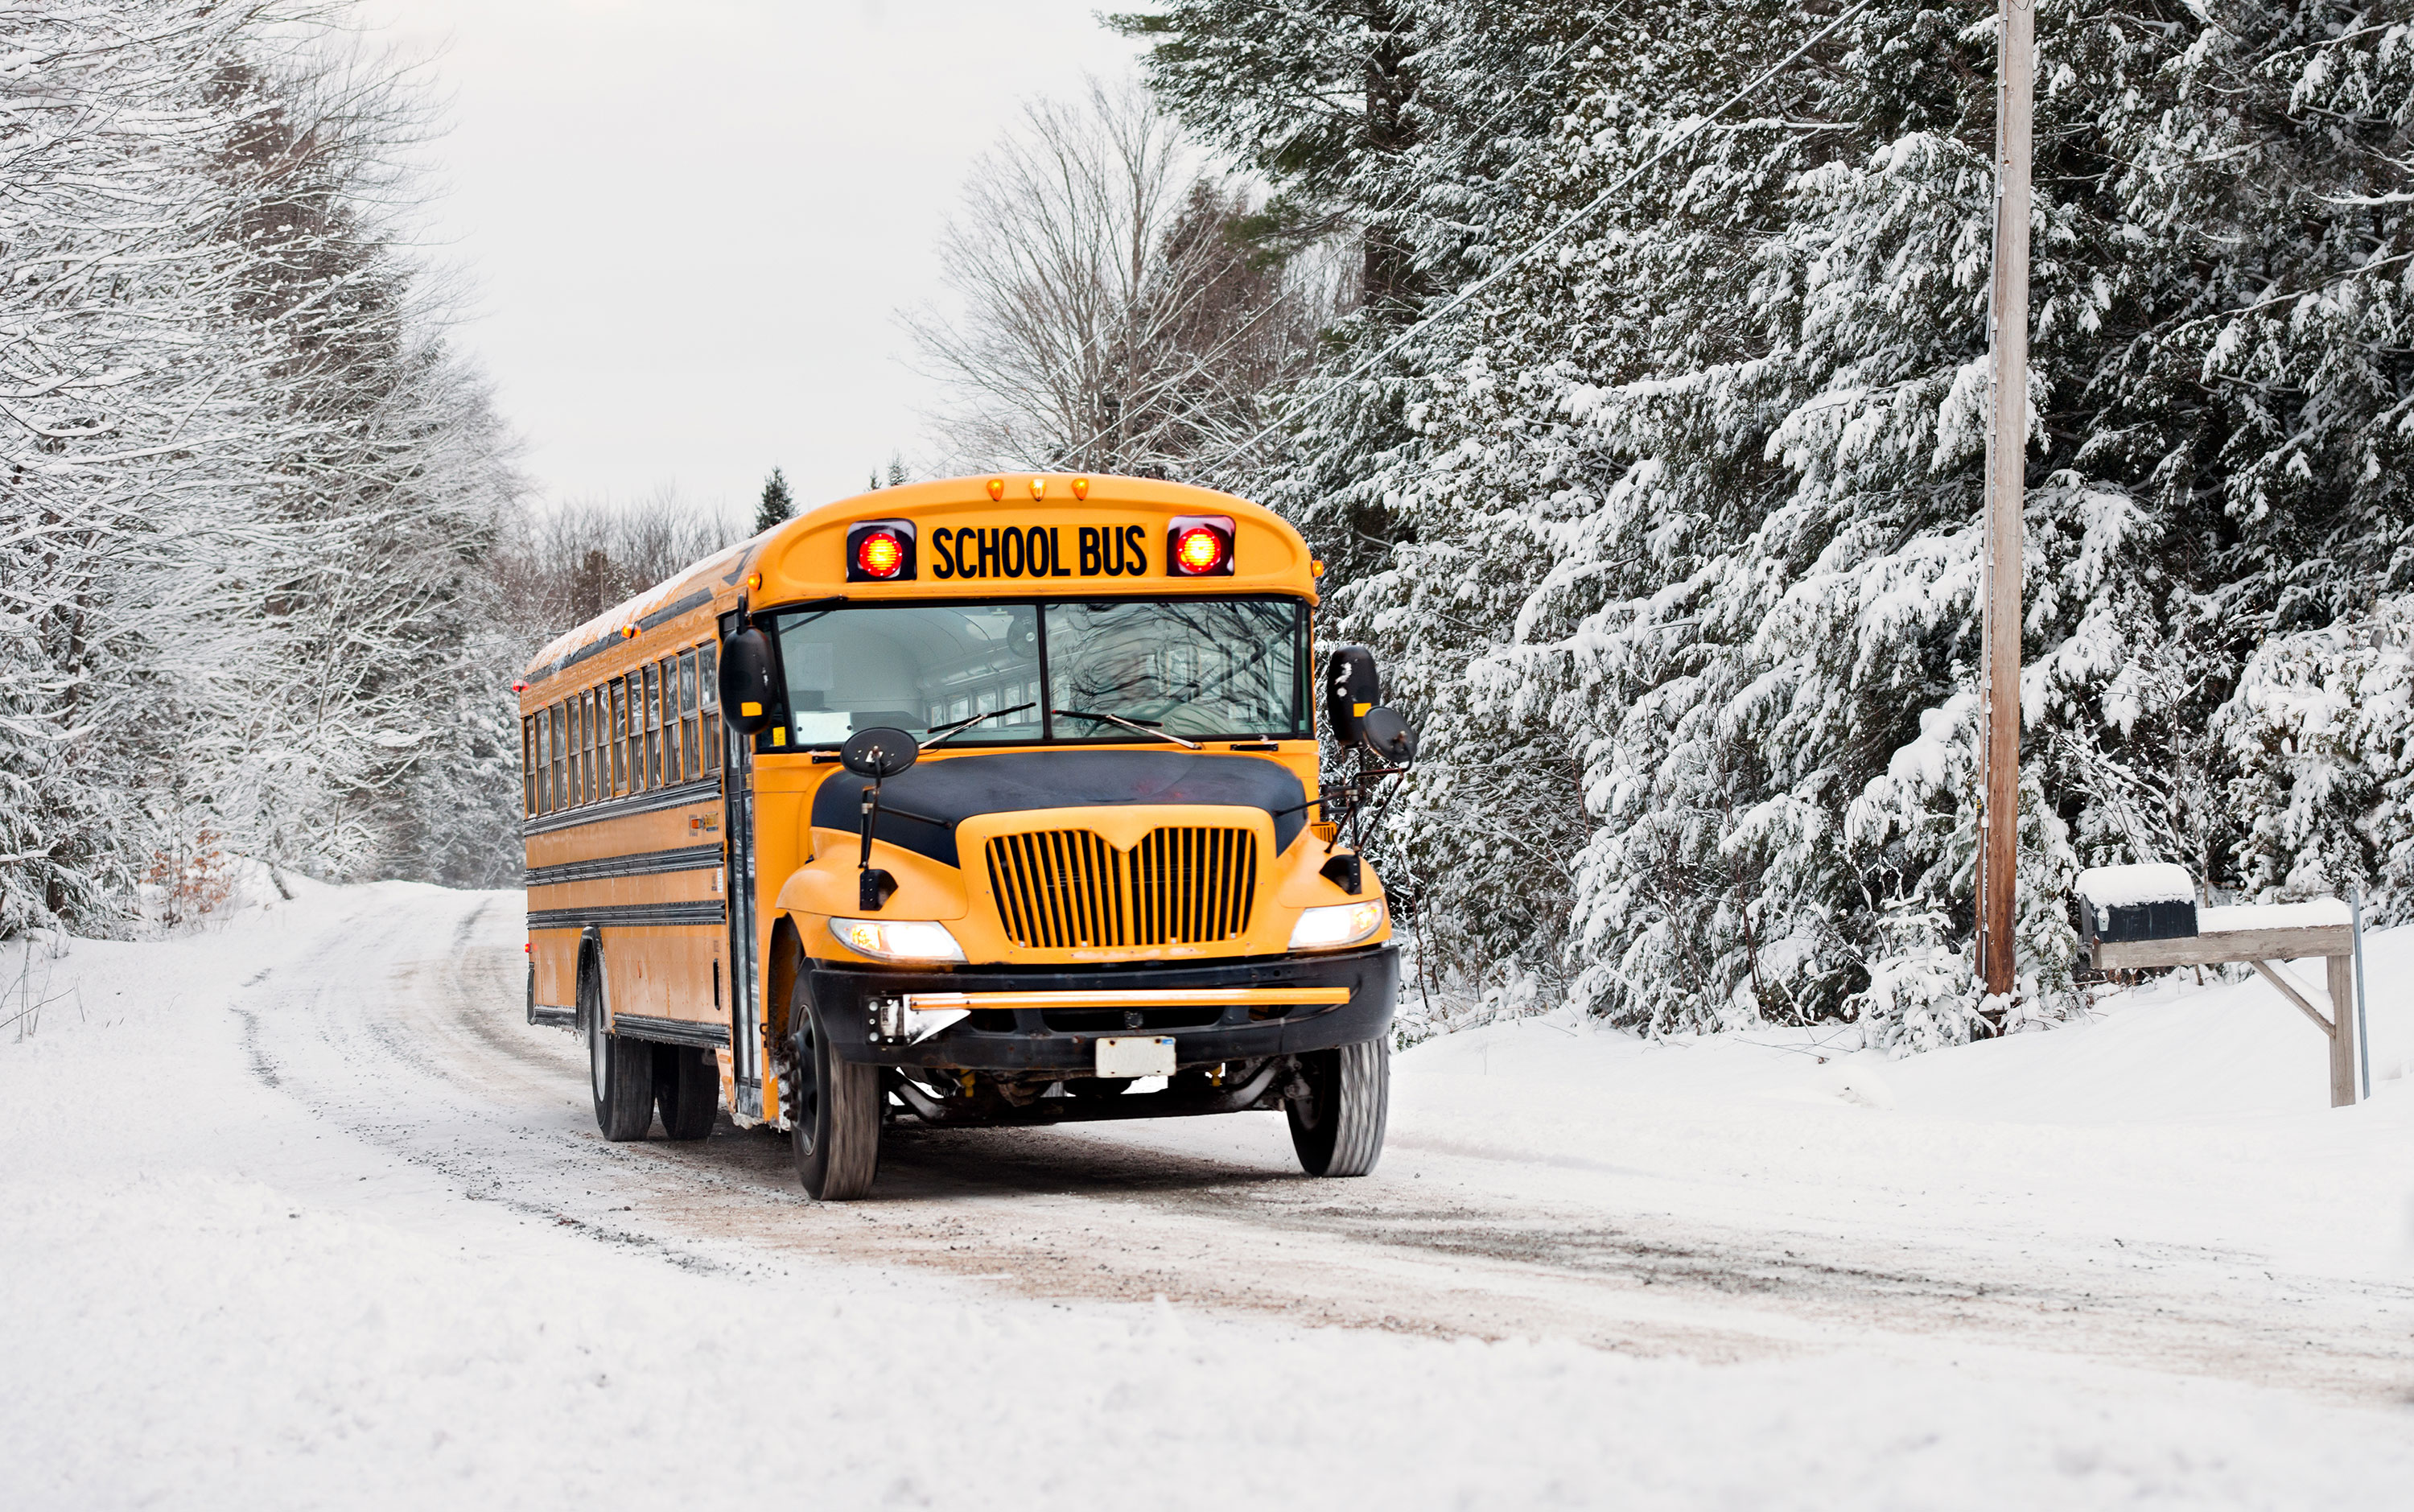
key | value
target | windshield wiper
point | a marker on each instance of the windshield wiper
(1138, 726)
(935, 736)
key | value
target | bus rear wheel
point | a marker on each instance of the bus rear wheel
(620, 1072)
(687, 1089)
(834, 1122)
(1337, 1128)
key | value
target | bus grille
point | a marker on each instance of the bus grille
(1068, 888)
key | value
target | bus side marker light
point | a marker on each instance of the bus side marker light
(753, 579)
(1081, 488)
(996, 489)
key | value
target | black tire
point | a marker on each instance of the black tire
(686, 1089)
(1337, 1128)
(834, 1124)
(619, 1072)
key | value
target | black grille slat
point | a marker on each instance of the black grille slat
(1062, 888)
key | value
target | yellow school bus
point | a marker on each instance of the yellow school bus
(992, 800)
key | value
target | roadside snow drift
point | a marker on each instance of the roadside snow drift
(243, 1271)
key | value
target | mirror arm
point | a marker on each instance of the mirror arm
(870, 815)
(873, 885)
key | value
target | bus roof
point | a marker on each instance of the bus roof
(806, 557)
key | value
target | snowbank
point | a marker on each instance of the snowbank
(217, 1297)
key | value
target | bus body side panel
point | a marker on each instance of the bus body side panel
(782, 796)
(652, 884)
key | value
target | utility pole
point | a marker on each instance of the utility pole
(1999, 656)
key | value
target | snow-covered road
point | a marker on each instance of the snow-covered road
(305, 1198)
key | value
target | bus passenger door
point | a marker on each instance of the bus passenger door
(745, 990)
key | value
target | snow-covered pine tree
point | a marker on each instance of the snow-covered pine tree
(1696, 499)
(777, 504)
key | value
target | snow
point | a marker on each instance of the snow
(2223, 919)
(2121, 887)
(241, 1270)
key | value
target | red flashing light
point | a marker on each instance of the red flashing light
(1198, 550)
(879, 554)
(881, 551)
(1199, 545)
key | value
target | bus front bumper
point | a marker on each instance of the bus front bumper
(1022, 1022)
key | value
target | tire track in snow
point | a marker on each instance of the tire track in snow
(430, 1057)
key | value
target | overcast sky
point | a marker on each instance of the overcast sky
(688, 223)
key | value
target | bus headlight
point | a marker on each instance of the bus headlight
(1345, 923)
(899, 940)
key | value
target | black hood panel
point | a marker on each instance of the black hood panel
(940, 795)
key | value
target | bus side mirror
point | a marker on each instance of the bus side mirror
(1384, 731)
(747, 695)
(878, 754)
(1351, 687)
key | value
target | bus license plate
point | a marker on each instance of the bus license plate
(1136, 1056)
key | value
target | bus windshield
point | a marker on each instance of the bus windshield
(1197, 668)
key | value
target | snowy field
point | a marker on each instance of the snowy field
(301, 1214)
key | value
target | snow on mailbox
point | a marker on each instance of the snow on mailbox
(2145, 918)
(2153, 902)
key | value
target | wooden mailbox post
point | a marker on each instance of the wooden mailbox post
(2262, 936)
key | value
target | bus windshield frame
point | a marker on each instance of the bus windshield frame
(1124, 655)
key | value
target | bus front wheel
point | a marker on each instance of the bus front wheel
(1337, 1128)
(834, 1122)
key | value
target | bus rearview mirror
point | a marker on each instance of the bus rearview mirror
(879, 753)
(1351, 687)
(748, 688)
(1384, 731)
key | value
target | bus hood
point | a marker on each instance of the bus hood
(919, 809)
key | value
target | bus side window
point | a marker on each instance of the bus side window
(536, 761)
(528, 773)
(653, 725)
(560, 742)
(670, 723)
(584, 779)
(577, 738)
(632, 729)
(707, 698)
(688, 744)
(616, 732)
